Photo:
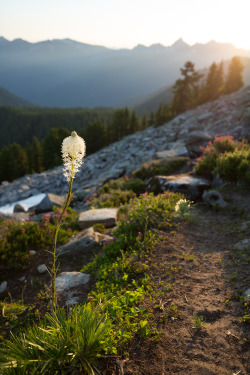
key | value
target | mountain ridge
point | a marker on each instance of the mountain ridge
(67, 73)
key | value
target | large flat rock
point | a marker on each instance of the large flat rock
(49, 201)
(192, 187)
(105, 216)
(82, 243)
(175, 149)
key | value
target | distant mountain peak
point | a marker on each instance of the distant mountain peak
(180, 44)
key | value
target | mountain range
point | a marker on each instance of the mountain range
(66, 73)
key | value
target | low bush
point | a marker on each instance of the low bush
(116, 193)
(228, 158)
(161, 167)
(18, 238)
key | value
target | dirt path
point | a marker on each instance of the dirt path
(205, 275)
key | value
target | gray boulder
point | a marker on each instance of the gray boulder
(106, 216)
(3, 286)
(195, 140)
(84, 241)
(175, 149)
(68, 280)
(214, 198)
(48, 202)
(243, 245)
(192, 187)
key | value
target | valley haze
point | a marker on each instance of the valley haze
(66, 73)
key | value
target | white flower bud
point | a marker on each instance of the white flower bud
(73, 151)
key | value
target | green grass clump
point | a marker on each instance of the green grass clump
(66, 342)
(228, 158)
(161, 167)
(116, 193)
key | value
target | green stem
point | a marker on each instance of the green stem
(55, 234)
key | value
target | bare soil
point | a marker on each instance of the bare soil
(207, 277)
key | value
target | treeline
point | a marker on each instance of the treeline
(36, 156)
(193, 88)
(21, 124)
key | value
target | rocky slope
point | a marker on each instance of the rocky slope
(182, 136)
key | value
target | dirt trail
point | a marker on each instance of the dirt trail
(205, 274)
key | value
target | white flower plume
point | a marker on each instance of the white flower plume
(73, 151)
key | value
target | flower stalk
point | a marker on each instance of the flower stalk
(73, 151)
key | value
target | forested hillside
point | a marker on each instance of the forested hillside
(22, 124)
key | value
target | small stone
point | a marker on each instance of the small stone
(214, 198)
(22, 278)
(42, 268)
(72, 301)
(247, 294)
(243, 245)
(68, 280)
(245, 225)
(3, 286)
(32, 252)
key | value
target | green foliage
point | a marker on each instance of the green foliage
(15, 317)
(117, 192)
(234, 166)
(51, 146)
(234, 78)
(163, 114)
(186, 90)
(121, 272)
(198, 322)
(161, 167)
(18, 238)
(66, 340)
(214, 84)
(94, 136)
(22, 124)
(228, 158)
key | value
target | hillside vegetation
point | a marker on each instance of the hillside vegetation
(170, 281)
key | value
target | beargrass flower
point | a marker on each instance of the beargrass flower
(73, 151)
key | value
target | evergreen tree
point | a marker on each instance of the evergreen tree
(94, 136)
(186, 89)
(51, 147)
(5, 164)
(163, 114)
(234, 78)
(35, 156)
(220, 80)
(18, 161)
(133, 123)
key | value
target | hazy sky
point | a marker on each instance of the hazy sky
(126, 23)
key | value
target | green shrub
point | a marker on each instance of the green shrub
(117, 192)
(234, 166)
(18, 238)
(161, 167)
(228, 158)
